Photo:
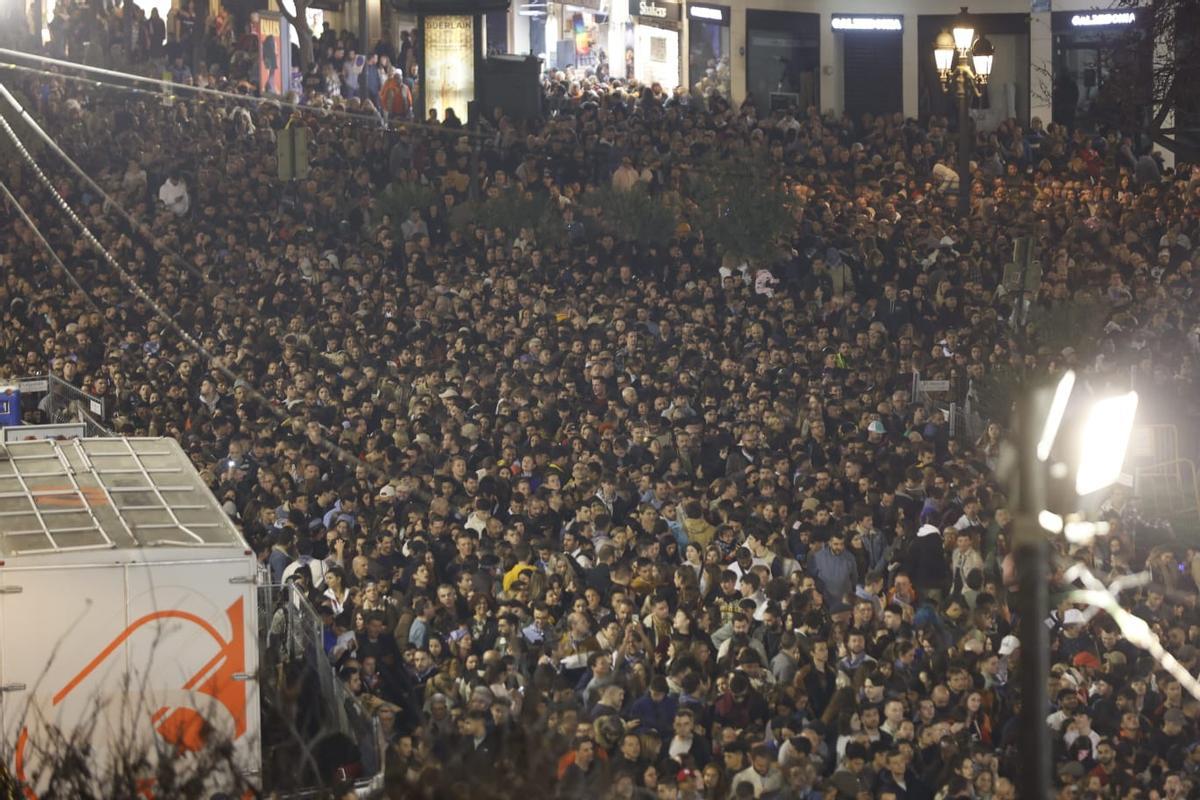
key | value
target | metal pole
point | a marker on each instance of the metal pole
(1023, 247)
(964, 141)
(1031, 555)
(473, 187)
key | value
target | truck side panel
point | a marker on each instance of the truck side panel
(137, 658)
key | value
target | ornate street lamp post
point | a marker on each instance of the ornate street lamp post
(964, 64)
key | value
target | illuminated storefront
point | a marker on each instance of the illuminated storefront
(708, 48)
(574, 34)
(274, 56)
(450, 53)
(652, 42)
(1090, 47)
(449, 63)
(783, 59)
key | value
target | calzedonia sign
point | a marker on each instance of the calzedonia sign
(659, 10)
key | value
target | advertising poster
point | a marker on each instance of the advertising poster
(630, 52)
(583, 39)
(450, 63)
(273, 52)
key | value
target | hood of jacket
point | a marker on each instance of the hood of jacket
(927, 529)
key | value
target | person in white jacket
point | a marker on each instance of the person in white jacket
(173, 194)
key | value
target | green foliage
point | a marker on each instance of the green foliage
(743, 208)
(632, 216)
(1077, 324)
(510, 212)
(996, 393)
(401, 197)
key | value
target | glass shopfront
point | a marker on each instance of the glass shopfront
(495, 33)
(783, 59)
(1089, 48)
(652, 42)
(708, 49)
(576, 35)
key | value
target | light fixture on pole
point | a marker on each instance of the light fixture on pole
(1067, 449)
(981, 59)
(963, 33)
(943, 54)
(964, 64)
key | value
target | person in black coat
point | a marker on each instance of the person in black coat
(477, 749)
(927, 566)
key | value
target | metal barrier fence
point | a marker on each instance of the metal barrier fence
(294, 636)
(959, 407)
(92, 425)
(1169, 491)
(58, 401)
(1153, 444)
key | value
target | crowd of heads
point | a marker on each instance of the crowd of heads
(598, 519)
(233, 51)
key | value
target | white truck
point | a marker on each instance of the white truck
(128, 625)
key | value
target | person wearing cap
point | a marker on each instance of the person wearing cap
(1009, 646)
(1073, 637)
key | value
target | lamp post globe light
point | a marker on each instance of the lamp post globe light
(964, 64)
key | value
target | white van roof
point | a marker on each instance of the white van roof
(69, 496)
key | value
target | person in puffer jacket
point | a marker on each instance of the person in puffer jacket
(927, 565)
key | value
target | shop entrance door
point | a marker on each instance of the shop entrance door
(873, 70)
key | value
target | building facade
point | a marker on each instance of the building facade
(839, 55)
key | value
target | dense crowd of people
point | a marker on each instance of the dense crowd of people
(593, 519)
(225, 50)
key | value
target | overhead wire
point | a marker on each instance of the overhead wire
(157, 244)
(370, 122)
(33, 226)
(185, 89)
(136, 288)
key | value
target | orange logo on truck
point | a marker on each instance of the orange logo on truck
(182, 727)
(69, 496)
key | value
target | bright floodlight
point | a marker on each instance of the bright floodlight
(1105, 437)
(1050, 521)
(1058, 407)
